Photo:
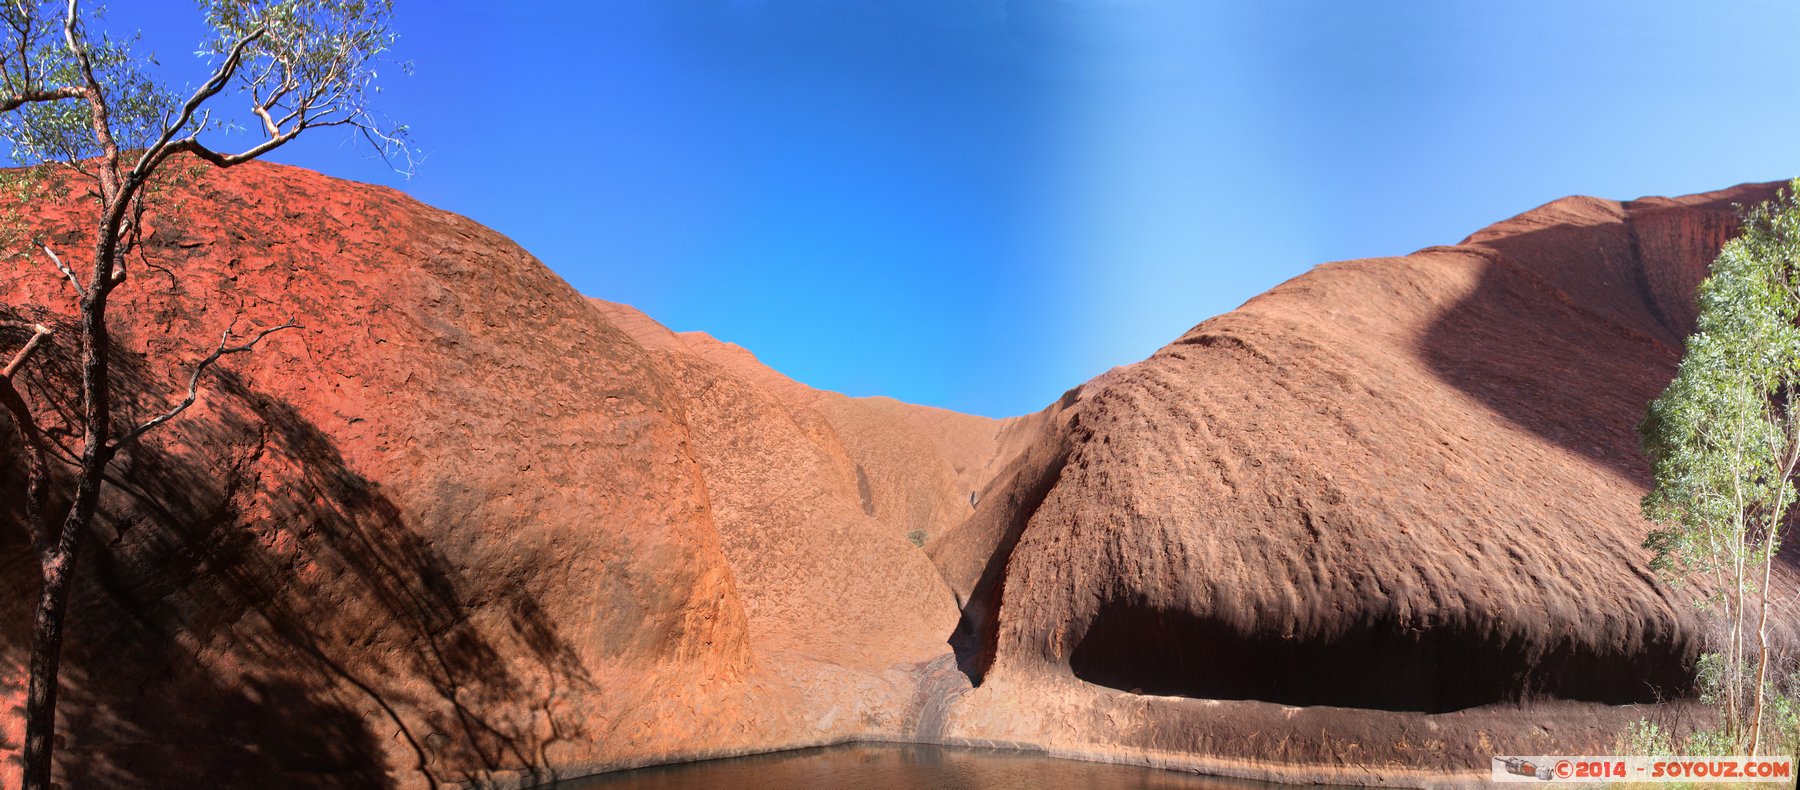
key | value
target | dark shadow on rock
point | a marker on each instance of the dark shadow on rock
(1564, 373)
(1144, 649)
(975, 641)
(251, 612)
(1575, 328)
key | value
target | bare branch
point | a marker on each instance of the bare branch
(23, 98)
(195, 147)
(131, 233)
(268, 120)
(64, 268)
(39, 332)
(32, 437)
(193, 390)
(384, 142)
(159, 150)
(96, 99)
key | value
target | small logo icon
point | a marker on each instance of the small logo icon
(1519, 766)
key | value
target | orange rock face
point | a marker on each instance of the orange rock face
(465, 522)
(436, 525)
(468, 525)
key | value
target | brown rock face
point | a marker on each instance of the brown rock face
(467, 525)
(1387, 498)
(789, 500)
(455, 521)
(465, 522)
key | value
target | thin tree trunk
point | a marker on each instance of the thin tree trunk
(1734, 663)
(1735, 667)
(46, 656)
(58, 557)
(1762, 652)
(119, 229)
(48, 625)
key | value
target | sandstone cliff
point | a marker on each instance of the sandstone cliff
(1379, 519)
(466, 524)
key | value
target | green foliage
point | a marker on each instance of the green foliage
(1719, 433)
(39, 59)
(313, 60)
(284, 66)
(1725, 442)
(917, 537)
(1781, 723)
(1782, 717)
(1710, 677)
(1648, 739)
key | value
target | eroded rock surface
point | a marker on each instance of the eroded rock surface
(467, 525)
(1381, 518)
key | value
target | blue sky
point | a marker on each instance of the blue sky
(978, 204)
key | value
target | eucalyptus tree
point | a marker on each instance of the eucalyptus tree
(88, 118)
(1725, 439)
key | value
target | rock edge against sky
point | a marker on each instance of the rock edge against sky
(1374, 526)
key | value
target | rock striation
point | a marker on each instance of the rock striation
(466, 525)
(1382, 518)
(427, 532)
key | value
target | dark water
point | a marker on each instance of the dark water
(881, 766)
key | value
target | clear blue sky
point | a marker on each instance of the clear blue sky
(978, 204)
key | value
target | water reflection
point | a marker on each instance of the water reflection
(878, 766)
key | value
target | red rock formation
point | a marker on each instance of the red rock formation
(916, 467)
(453, 520)
(1373, 526)
(465, 520)
(786, 501)
(1381, 518)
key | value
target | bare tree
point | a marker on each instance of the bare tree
(86, 118)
